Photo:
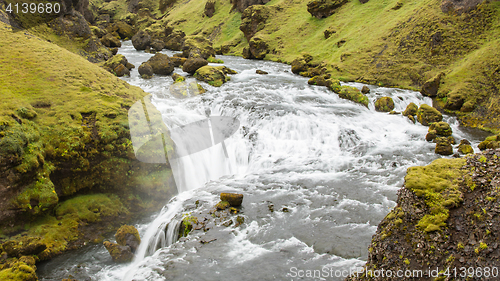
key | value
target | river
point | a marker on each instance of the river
(318, 174)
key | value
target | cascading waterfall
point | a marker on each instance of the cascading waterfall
(318, 174)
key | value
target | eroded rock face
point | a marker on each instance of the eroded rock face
(241, 5)
(459, 6)
(141, 40)
(253, 20)
(324, 8)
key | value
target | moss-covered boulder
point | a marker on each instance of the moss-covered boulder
(431, 135)
(384, 104)
(209, 8)
(261, 72)
(353, 94)
(127, 235)
(427, 114)
(321, 80)
(365, 90)
(157, 45)
(180, 89)
(175, 40)
(22, 269)
(258, 48)
(124, 30)
(178, 61)
(431, 86)
(141, 40)
(145, 70)
(234, 199)
(178, 78)
(161, 64)
(299, 65)
(212, 75)
(110, 41)
(192, 64)
(411, 110)
(197, 47)
(324, 8)
(25, 246)
(253, 20)
(464, 147)
(442, 128)
(454, 101)
(443, 146)
(119, 253)
(118, 65)
(121, 70)
(490, 143)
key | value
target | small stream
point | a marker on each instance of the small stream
(327, 167)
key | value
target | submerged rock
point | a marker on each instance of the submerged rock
(178, 78)
(427, 114)
(261, 72)
(384, 104)
(234, 199)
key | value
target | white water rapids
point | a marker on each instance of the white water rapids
(327, 167)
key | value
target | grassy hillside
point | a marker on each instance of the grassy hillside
(393, 43)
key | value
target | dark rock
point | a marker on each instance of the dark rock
(427, 114)
(441, 128)
(175, 40)
(99, 32)
(157, 45)
(324, 8)
(454, 101)
(262, 72)
(161, 64)
(365, 90)
(178, 78)
(431, 86)
(110, 41)
(258, 48)
(443, 147)
(241, 5)
(384, 104)
(459, 6)
(209, 8)
(246, 54)
(431, 135)
(119, 253)
(129, 66)
(114, 50)
(178, 61)
(25, 246)
(299, 65)
(145, 70)
(197, 47)
(127, 235)
(411, 110)
(124, 30)
(490, 143)
(121, 70)
(141, 40)
(234, 199)
(115, 61)
(328, 32)
(253, 20)
(191, 65)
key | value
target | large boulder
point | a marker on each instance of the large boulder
(464, 147)
(353, 94)
(192, 64)
(197, 47)
(118, 65)
(431, 86)
(110, 41)
(411, 110)
(161, 64)
(443, 146)
(324, 8)
(234, 199)
(258, 48)
(384, 104)
(119, 253)
(490, 143)
(214, 76)
(253, 20)
(441, 128)
(178, 61)
(174, 40)
(141, 40)
(121, 70)
(427, 114)
(145, 70)
(209, 8)
(299, 65)
(127, 235)
(122, 28)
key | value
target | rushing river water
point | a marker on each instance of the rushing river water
(334, 165)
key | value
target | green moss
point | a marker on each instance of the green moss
(19, 271)
(187, 223)
(214, 60)
(437, 183)
(91, 208)
(353, 94)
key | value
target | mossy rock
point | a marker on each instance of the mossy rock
(212, 75)
(253, 20)
(442, 128)
(258, 47)
(324, 8)
(384, 104)
(115, 61)
(427, 114)
(161, 64)
(127, 235)
(91, 208)
(234, 199)
(141, 40)
(443, 146)
(353, 94)
(22, 269)
(178, 78)
(490, 143)
(454, 101)
(119, 253)
(299, 65)
(437, 184)
(192, 64)
(431, 135)
(145, 70)
(222, 205)
(465, 148)
(197, 47)
(411, 110)
(323, 80)
(365, 90)
(431, 86)
(24, 246)
(110, 41)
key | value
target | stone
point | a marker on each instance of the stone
(491, 142)
(465, 148)
(253, 20)
(197, 47)
(443, 147)
(324, 8)
(124, 30)
(411, 110)
(353, 94)
(384, 104)
(234, 199)
(141, 40)
(120, 254)
(209, 8)
(365, 90)
(329, 32)
(178, 61)
(178, 78)
(127, 235)
(192, 64)
(157, 45)
(442, 128)
(161, 64)
(427, 114)
(299, 65)
(145, 70)
(431, 135)
(454, 101)
(431, 86)
(258, 48)
(214, 76)
(121, 70)
(261, 72)
(110, 41)
(175, 40)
